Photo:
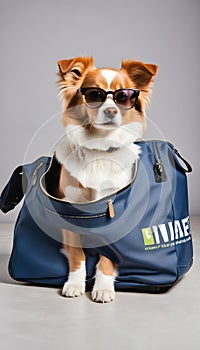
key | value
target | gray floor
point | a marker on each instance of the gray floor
(39, 318)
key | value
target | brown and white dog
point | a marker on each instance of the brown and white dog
(104, 113)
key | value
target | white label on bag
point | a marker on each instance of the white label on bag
(167, 235)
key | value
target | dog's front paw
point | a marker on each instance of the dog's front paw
(103, 295)
(73, 290)
(75, 285)
(103, 290)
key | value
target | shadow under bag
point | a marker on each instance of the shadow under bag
(144, 228)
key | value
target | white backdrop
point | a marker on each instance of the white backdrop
(35, 34)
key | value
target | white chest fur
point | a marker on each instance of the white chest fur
(104, 163)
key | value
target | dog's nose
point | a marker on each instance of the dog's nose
(110, 112)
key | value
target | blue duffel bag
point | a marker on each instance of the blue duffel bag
(144, 228)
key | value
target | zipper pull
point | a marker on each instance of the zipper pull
(159, 167)
(111, 209)
(159, 171)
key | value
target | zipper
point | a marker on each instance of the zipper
(94, 201)
(110, 206)
(156, 152)
(76, 216)
(159, 170)
(110, 212)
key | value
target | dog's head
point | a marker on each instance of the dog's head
(100, 98)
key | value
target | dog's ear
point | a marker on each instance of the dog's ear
(71, 75)
(141, 74)
(75, 66)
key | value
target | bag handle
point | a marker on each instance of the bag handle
(14, 190)
(159, 170)
(188, 166)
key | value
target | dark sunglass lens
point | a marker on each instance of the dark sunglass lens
(126, 98)
(133, 98)
(121, 98)
(94, 97)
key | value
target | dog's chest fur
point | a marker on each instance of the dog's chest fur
(100, 165)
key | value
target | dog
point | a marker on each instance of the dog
(103, 114)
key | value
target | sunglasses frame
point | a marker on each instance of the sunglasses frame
(84, 90)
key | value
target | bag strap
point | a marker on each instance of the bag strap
(188, 166)
(159, 170)
(21, 180)
(14, 190)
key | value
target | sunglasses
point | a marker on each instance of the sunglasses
(95, 97)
